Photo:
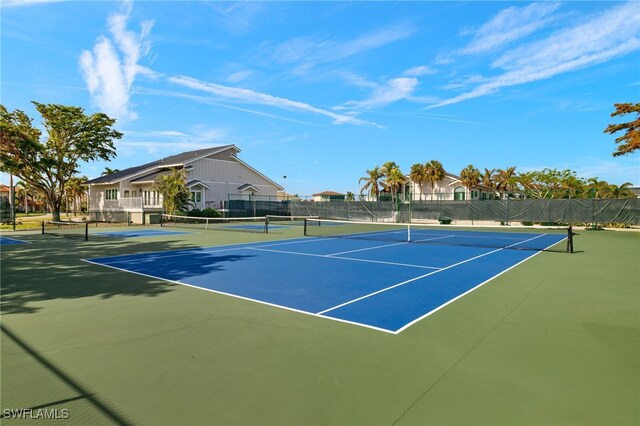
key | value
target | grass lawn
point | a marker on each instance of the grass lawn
(555, 340)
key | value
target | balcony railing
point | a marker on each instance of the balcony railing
(132, 203)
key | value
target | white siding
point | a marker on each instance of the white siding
(224, 177)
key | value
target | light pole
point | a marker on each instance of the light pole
(284, 182)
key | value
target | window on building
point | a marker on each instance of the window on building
(196, 196)
(111, 194)
(150, 198)
(459, 193)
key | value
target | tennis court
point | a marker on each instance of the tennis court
(5, 241)
(363, 278)
(212, 326)
(139, 233)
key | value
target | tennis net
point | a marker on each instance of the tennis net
(279, 220)
(240, 224)
(79, 230)
(425, 234)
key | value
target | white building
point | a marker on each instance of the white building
(449, 188)
(212, 175)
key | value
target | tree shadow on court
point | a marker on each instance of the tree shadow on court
(53, 268)
(62, 389)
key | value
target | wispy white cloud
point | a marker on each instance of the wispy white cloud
(419, 71)
(610, 34)
(308, 52)
(616, 171)
(508, 26)
(393, 91)
(238, 17)
(353, 79)
(160, 142)
(18, 3)
(249, 96)
(218, 103)
(239, 76)
(110, 69)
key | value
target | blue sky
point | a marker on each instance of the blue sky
(322, 91)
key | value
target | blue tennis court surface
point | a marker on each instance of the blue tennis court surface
(5, 241)
(139, 233)
(382, 285)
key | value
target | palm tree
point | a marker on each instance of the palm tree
(434, 172)
(597, 188)
(394, 179)
(109, 171)
(621, 191)
(418, 176)
(488, 177)
(470, 177)
(372, 182)
(76, 189)
(387, 167)
(173, 187)
(505, 180)
(350, 196)
(22, 193)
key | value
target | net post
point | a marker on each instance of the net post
(266, 224)
(409, 233)
(305, 227)
(86, 231)
(570, 235)
(43, 227)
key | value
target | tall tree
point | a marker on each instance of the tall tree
(47, 165)
(630, 140)
(597, 188)
(173, 187)
(434, 172)
(22, 194)
(372, 182)
(470, 177)
(387, 167)
(418, 176)
(76, 188)
(505, 180)
(488, 178)
(621, 191)
(393, 181)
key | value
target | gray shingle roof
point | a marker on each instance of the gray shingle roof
(173, 160)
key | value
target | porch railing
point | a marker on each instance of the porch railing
(132, 203)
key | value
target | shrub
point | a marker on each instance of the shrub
(209, 212)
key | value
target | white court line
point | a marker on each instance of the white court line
(365, 249)
(404, 327)
(384, 246)
(366, 296)
(262, 302)
(328, 256)
(317, 315)
(211, 249)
